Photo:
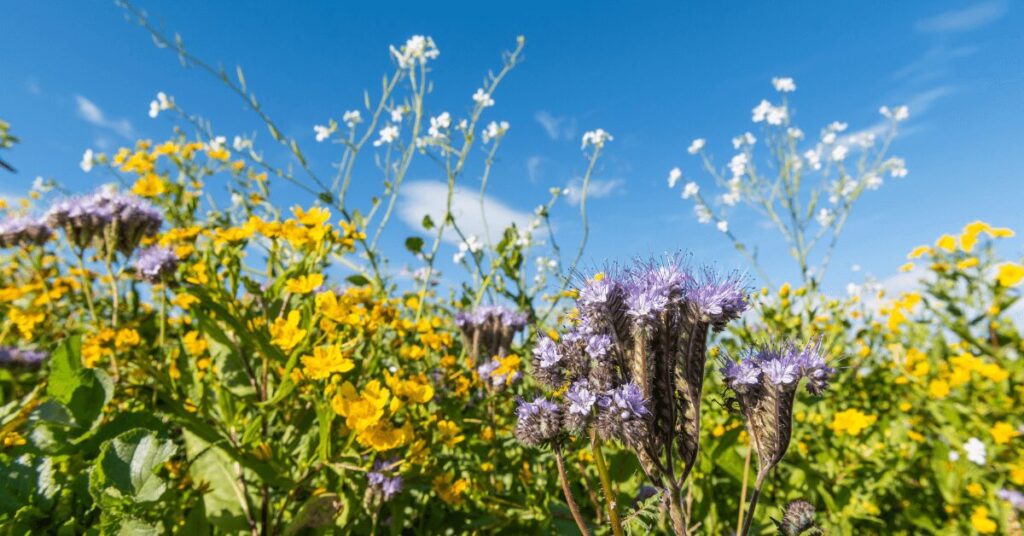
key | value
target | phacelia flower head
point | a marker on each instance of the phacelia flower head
(720, 299)
(623, 415)
(107, 219)
(765, 381)
(21, 231)
(156, 264)
(548, 365)
(539, 422)
(798, 519)
(11, 357)
(382, 482)
(489, 329)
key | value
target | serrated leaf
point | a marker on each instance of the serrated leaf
(127, 467)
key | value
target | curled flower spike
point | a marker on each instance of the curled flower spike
(156, 264)
(21, 358)
(540, 422)
(23, 231)
(489, 330)
(798, 519)
(107, 219)
(765, 381)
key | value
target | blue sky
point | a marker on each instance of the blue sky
(655, 78)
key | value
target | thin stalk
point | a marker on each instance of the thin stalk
(743, 488)
(606, 484)
(753, 503)
(569, 499)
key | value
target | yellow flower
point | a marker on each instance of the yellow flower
(718, 431)
(450, 433)
(981, 522)
(361, 410)
(314, 217)
(450, 492)
(938, 389)
(993, 372)
(416, 390)
(1003, 432)
(919, 251)
(1001, 232)
(25, 321)
(784, 290)
(851, 422)
(1010, 274)
(184, 300)
(304, 284)
(947, 243)
(126, 338)
(974, 489)
(148, 185)
(1017, 474)
(383, 436)
(969, 262)
(286, 333)
(907, 267)
(194, 343)
(326, 360)
(507, 367)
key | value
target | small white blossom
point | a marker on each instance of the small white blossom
(813, 157)
(731, 198)
(673, 177)
(88, 159)
(42, 185)
(899, 113)
(703, 214)
(439, 123)
(483, 98)
(237, 200)
(322, 132)
(897, 168)
(863, 139)
(738, 164)
(471, 245)
(352, 118)
(396, 114)
(695, 146)
(824, 217)
(597, 138)
(828, 137)
(795, 133)
(954, 456)
(495, 129)
(743, 139)
(216, 143)
(837, 126)
(240, 144)
(784, 85)
(853, 289)
(417, 49)
(873, 181)
(387, 134)
(691, 189)
(976, 451)
(162, 102)
(723, 226)
(839, 153)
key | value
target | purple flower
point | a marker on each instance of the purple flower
(644, 301)
(546, 352)
(581, 398)
(780, 371)
(630, 400)
(719, 298)
(156, 263)
(380, 483)
(1012, 496)
(20, 357)
(742, 373)
(485, 369)
(596, 292)
(20, 230)
(106, 215)
(539, 422)
(598, 345)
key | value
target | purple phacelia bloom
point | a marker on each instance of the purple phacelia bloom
(629, 400)
(546, 353)
(156, 264)
(643, 301)
(21, 230)
(598, 345)
(719, 298)
(539, 422)
(103, 216)
(386, 487)
(581, 399)
(596, 292)
(1012, 496)
(780, 371)
(743, 373)
(21, 357)
(486, 368)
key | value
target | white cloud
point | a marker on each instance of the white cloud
(962, 20)
(88, 111)
(420, 198)
(935, 62)
(533, 165)
(595, 190)
(557, 128)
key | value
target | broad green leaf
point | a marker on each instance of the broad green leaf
(127, 467)
(222, 504)
(82, 391)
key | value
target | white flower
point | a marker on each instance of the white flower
(795, 133)
(441, 122)
(738, 164)
(41, 185)
(731, 198)
(828, 137)
(387, 134)
(837, 126)
(897, 168)
(813, 157)
(743, 139)
(766, 112)
(899, 113)
(471, 245)
(853, 289)
(352, 118)
(839, 153)
(723, 226)
(237, 199)
(495, 129)
(597, 138)
(216, 143)
(975, 450)
(691, 189)
(777, 115)
(161, 103)
(417, 48)
(396, 114)
(703, 214)
(864, 139)
(673, 177)
(695, 146)
(87, 161)
(954, 456)
(784, 85)
(483, 98)
(873, 181)
(240, 143)
(322, 132)
(824, 217)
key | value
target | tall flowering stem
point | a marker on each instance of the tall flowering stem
(633, 363)
(764, 382)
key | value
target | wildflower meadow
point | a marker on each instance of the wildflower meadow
(182, 352)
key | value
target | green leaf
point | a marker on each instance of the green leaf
(82, 391)
(127, 466)
(414, 244)
(222, 502)
(428, 222)
(357, 280)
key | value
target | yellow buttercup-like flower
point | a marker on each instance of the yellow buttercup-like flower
(324, 361)
(851, 422)
(981, 522)
(304, 284)
(286, 333)
(149, 185)
(1003, 432)
(1010, 274)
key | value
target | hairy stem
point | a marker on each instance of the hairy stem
(569, 499)
(606, 484)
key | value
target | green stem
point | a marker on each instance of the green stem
(606, 484)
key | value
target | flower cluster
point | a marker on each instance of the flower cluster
(22, 231)
(108, 220)
(488, 330)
